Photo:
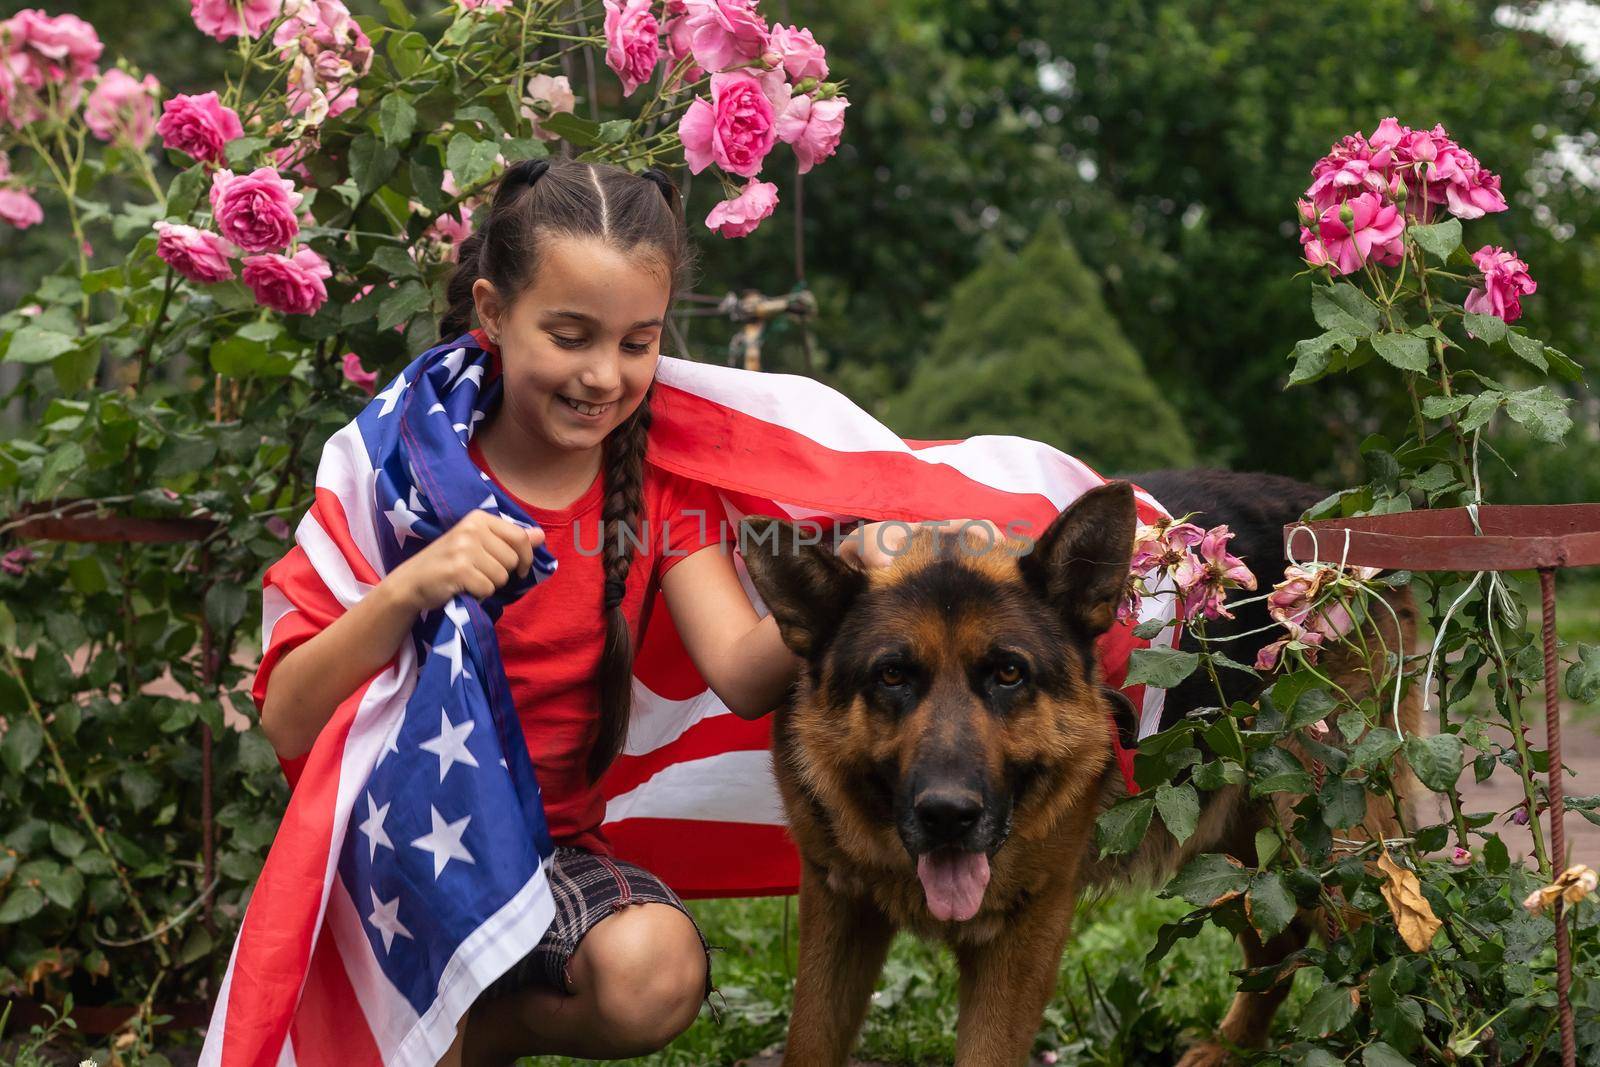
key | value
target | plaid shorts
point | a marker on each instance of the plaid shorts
(587, 887)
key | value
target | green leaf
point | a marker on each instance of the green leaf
(98, 281)
(1272, 770)
(1402, 350)
(1329, 1009)
(1161, 667)
(396, 10)
(1439, 239)
(400, 305)
(1223, 737)
(470, 160)
(1583, 677)
(240, 357)
(35, 344)
(1342, 306)
(395, 261)
(1123, 826)
(1267, 845)
(371, 162)
(1179, 806)
(1269, 904)
(1375, 746)
(579, 131)
(1529, 349)
(24, 903)
(408, 52)
(1541, 412)
(184, 192)
(1562, 365)
(225, 603)
(1149, 629)
(62, 886)
(1437, 407)
(24, 738)
(1479, 412)
(1344, 803)
(1486, 328)
(1379, 1054)
(1207, 879)
(65, 840)
(615, 131)
(239, 151)
(1217, 773)
(1436, 760)
(396, 119)
(139, 786)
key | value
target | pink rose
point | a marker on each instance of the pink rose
(19, 208)
(740, 216)
(15, 562)
(1349, 169)
(735, 129)
(813, 127)
(1461, 857)
(327, 51)
(545, 96)
(1160, 548)
(799, 53)
(277, 528)
(1462, 184)
(495, 6)
(724, 33)
(198, 126)
(680, 41)
(290, 284)
(231, 18)
(1371, 234)
(255, 211)
(633, 42)
(57, 48)
(122, 109)
(1505, 283)
(1204, 578)
(199, 255)
(364, 380)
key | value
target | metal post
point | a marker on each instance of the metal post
(1558, 836)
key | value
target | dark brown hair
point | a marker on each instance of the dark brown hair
(535, 200)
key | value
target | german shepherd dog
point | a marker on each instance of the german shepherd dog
(946, 750)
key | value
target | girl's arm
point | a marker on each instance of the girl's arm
(740, 655)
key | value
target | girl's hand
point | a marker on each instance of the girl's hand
(878, 544)
(475, 556)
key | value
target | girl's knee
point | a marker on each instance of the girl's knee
(647, 968)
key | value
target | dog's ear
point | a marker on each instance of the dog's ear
(807, 587)
(1080, 563)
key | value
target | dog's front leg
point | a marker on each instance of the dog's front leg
(1006, 983)
(843, 942)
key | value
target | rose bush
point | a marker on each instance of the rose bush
(247, 262)
(1440, 946)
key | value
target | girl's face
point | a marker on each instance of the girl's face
(578, 347)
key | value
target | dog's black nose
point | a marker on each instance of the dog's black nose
(947, 814)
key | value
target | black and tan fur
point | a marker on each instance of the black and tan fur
(953, 699)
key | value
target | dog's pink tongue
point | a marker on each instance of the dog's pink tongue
(953, 881)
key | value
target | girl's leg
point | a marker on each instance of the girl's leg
(638, 978)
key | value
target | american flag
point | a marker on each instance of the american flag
(407, 873)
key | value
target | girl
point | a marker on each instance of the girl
(571, 277)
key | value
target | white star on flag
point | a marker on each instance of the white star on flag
(444, 841)
(402, 519)
(437, 409)
(473, 374)
(416, 502)
(385, 918)
(451, 744)
(452, 649)
(376, 835)
(478, 416)
(391, 395)
(452, 362)
(489, 503)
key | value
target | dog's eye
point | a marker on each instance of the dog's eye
(891, 675)
(1009, 673)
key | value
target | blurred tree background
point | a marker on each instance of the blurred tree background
(1165, 142)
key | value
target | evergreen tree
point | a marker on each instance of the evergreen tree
(1028, 348)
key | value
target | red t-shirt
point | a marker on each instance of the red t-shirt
(551, 639)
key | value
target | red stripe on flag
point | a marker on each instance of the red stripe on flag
(329, 511)
(280, 923)
(710, 859)
(330, 1029)
(706, 738)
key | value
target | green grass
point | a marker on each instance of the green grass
(1104, 989)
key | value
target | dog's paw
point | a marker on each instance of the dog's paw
(1206, 1054)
